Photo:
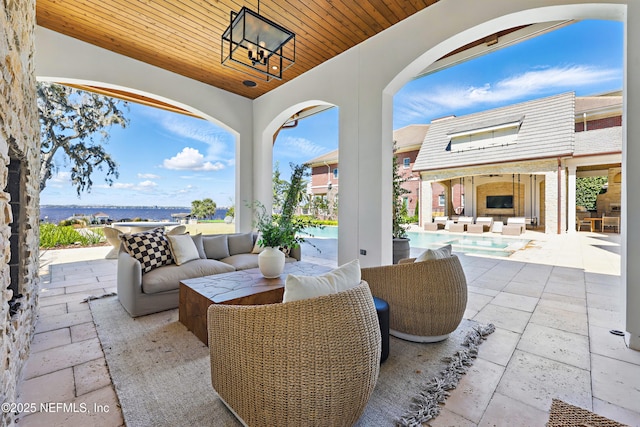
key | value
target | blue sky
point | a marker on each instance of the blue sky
(168, 159)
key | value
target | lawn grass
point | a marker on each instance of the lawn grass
(210, 228)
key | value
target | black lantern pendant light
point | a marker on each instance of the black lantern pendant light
(257, 46)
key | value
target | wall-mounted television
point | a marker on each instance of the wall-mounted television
(500, 202)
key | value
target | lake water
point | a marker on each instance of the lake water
(55, 214)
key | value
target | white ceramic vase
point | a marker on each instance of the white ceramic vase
(271, 262)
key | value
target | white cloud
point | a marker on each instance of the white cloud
(141, 186)
(59, 179)
(447, 99)
(191, 159)
(302, 146)
(188, 189)
(148, 176)
(147, 184)
(120, 186)
(182, 127)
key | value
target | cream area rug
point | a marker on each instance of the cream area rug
(161, 372)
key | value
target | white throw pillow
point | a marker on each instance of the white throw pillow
(183, 248)
(440, 253)
(342, 278)
(256, 247)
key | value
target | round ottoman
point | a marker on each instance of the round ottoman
(382, 308)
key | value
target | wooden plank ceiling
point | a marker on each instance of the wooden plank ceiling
(183, 36)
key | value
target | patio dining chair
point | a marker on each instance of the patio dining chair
(113, 237)
(581, 222)
(610, 221)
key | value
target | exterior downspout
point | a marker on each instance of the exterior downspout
(291, 126)
(559, 196)
(328, 179)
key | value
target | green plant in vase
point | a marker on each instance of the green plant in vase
(283, 231)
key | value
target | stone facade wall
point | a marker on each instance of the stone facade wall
(504, 188)
(19, 140)
(609, 203)
(545, 169)
(551, 202)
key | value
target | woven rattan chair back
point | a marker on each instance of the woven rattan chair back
(308, 362)
(426, 299)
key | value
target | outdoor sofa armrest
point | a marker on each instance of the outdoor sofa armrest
(129, 280)
(296, 252)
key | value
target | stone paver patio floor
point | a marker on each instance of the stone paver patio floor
(553, 305)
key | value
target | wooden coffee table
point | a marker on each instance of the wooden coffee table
(244, 287)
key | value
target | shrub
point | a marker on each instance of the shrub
(332, 222)
(52, 236)
(68, 222)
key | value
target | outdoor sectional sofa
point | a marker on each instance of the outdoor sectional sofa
(157, 289)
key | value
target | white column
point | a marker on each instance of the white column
(571, 200)
(630, 230)
(426, 203)
(551, 202)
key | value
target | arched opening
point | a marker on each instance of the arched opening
(310, 137)
(579, 11)
(477, 104)
(168, 156)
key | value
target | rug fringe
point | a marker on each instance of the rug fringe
(93, 297)
(426, 405)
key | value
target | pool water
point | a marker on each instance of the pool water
(494, 245)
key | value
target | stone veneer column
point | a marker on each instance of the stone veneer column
(551, 202)
(19, 139)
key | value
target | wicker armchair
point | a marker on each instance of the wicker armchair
(308, 362)
(426, 299)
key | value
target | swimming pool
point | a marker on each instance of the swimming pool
(494, 245)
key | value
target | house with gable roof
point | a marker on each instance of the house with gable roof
(324, 183)
(522, 160)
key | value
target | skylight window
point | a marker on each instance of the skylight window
(498, 133)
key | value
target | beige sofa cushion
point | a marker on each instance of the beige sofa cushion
(168, 277)
(215, 247)
(240, 243)
(183, 248)
(197, 240)
(242, 261)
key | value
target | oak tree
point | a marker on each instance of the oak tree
(76, 124)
